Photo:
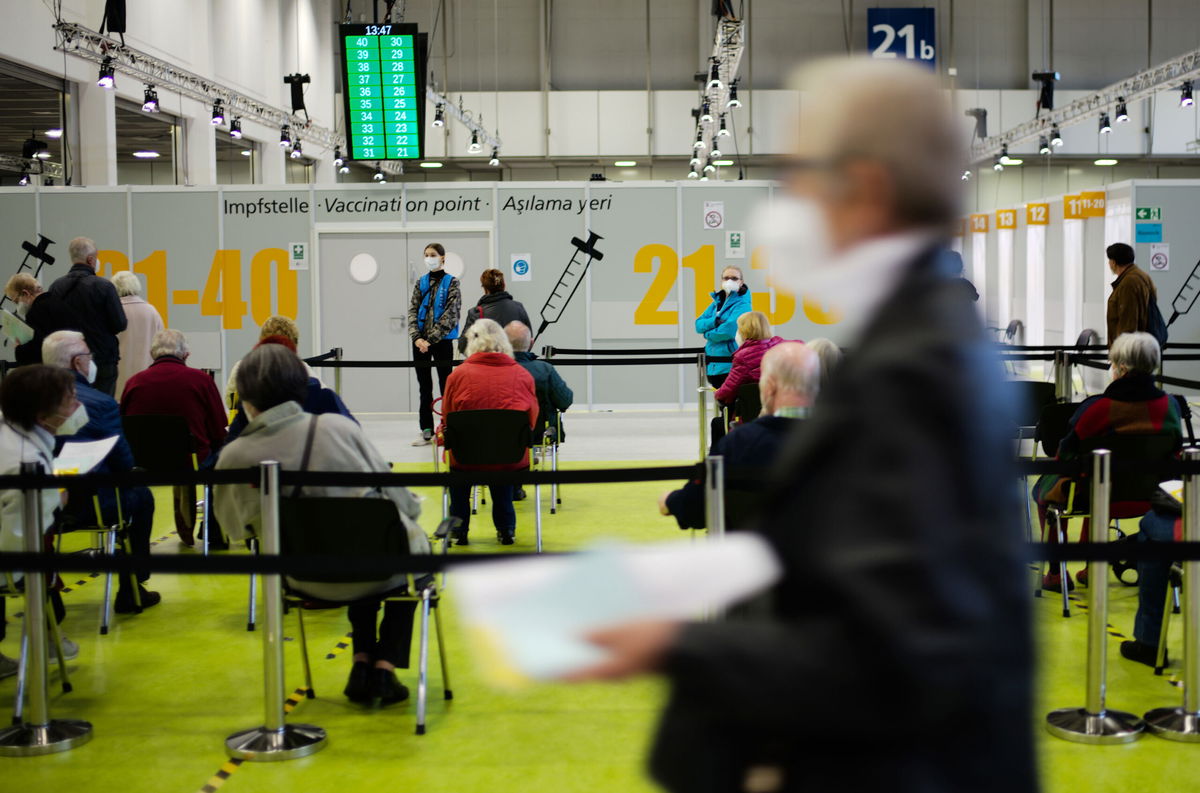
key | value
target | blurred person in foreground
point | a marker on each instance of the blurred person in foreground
(272, 382)
(894, 515)
(791, 378)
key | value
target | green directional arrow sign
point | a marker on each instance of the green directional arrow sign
(1148, 213)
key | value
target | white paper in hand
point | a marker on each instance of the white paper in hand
(14, 327)
(531, 616)
(79, 457)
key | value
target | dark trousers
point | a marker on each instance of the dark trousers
(441, 351)
(56, 605)
(391, 640)
(137, 507)
(716, 430)
(106, 378)
(504, 517)
(1152, 578)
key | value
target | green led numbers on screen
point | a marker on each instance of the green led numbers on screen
(384, 90)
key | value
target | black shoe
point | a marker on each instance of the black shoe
(124, 604)
(460, 537)
(506, 537)
(519, 494)
(1142, 653)
(385, 688)
(358, 687)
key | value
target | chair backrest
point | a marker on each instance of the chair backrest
(747, 403)
(1087, 338)
(339, 527)
(1031, 396)
(160, 443)
(1053, 425)
(1015, 332)
(488, 437)
(1136, 483)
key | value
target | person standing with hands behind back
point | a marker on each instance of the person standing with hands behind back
(433, 325)
(718, 323)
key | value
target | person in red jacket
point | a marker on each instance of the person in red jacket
(489, 379)
(754, 338)
(169, 387)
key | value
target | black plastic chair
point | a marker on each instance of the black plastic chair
(1053, 425)
(334, 528)
(747, 403)
(492, 437)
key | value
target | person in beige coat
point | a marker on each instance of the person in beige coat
(144, 322)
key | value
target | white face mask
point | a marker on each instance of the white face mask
(91, 372)
(738, 338)
(730, 285)
(74, 423)
(21, 310)
(433, 262)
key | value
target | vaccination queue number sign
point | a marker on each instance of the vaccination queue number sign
(383, 69)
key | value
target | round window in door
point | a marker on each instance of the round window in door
(363, 268)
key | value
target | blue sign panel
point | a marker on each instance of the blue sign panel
(906, 33)
(1148, 232)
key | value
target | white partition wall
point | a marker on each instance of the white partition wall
(1072, 283)
(1035, 284)
(1004, 276)
(977, 267)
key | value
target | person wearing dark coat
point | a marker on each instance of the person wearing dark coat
(37, 309)
(496, 305)
(904, 586)
(95, 310)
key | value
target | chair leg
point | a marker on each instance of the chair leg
(445, 503)
(22, 662)
(474, 499)
(204, 517)
(1175, 600)
(555, 498)
(447, 690)
(308, 682)
(1063, 580)
(1160, 657)
(537, 515)
(133, 579)
(56, 637)
(252, 611)
(110, 549)
(423, 663)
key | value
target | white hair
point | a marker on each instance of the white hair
(80, 249)
(793, 368)
(61, 347)
(519, 335)
(486, 335)
(828, 353)
(126, 283)
(169, 342)
(1135, 352)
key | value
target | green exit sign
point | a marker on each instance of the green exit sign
(1148, 213)
(383, 85)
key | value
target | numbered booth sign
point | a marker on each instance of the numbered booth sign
(1092, 203)
(906, 33)
(1006, 219)
(1073, 208)
(979, 223)
(383, 85)
(1037, 214)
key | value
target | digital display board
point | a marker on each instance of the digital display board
(383, 68)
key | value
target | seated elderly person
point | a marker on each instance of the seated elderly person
(1132, 404)
(67, 349)
(37, 402)
(489, 379)
(317, 398)
(754, 338)
(39, 310)
(172, 388)
(790, 382)
(829, 354)
(272, 382)
(1163, 523)
(277, 325)
(554, 396)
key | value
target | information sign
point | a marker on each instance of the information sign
(1073, 208)
(1148, 213)
(1037, 214)
(906, 33)
(979, 223)
(1093, 203)
(383, 85)
(1006, 219)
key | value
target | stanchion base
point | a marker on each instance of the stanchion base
(1107, 727)
(262, 745)
(1174, 724)
(26, 740)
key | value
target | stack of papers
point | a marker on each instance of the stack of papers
(530, 617)
(79, 457)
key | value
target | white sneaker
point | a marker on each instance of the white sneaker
(70, 650)
(425, 439)
(8, 666)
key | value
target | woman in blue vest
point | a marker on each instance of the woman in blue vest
(718, 323)
(433, 326)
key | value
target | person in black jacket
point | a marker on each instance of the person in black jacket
(496, 304)
(896, 653)
(41, 312)
(433, 326)
(95, 309)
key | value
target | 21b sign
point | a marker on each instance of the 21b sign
(902, 33)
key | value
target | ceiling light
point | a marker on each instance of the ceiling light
(247, 152)
(1055, 137)
(285, 136)
(1122, 112)
(150, 100)
(1105, 161)
(625, 163)
(733, 97)
(723, 163)
(1046, 95)
(704, 178)
(1105, 124)
(379, 177)
(439, 115)
(706, 116)
(694, 161)
(431, 165)
(54, 133)
(495, 161)
(235, 128)
(475, 146)
(1043, 145)
(714, 76)
(997, 165)
(966, 177)
(1185, 94)
(1014, 161)
(723, 128)
(709, 167)
(33, 148)
(297, 151)
(218, 114)
(24, 180)
(147, 155)
(337, 158)
(699, 144)
(344, 169)
(693, 175)
(1004, 154)
(106, 78)
(715, 151)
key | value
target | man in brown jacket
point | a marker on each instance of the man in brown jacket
(1129, 303)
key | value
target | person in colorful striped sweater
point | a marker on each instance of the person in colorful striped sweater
(1132, 404)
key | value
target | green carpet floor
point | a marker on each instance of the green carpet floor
(165, 688)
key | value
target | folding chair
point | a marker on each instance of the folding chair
(164, 444)
(105, 539)
(1131, 489)
(334, 528)
(747, 404)
(492, 437)
(10, 590)
(1030, 397)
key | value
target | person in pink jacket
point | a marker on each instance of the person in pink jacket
(143, 322)
(754, 338)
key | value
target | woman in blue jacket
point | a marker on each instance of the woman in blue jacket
(718, 323)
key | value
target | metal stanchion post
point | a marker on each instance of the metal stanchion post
(275, 740)
(39, 734)
(1062, 376)
(337, 372)
(1094, 723)
(714, 495)
(701, 393)
(1183, 723)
